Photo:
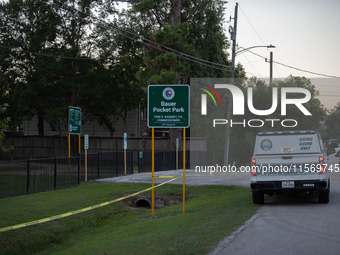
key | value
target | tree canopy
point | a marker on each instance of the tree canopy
(4, 124)
(90, 54)
(243, 132)
(54, 55)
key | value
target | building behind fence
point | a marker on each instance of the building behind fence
(54, 146)
(18, 177)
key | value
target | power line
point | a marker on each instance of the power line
(48, 55)
(327, 96)
(139, 38)
(251, 65)
(306, 71)
(277, 71)
(255, 61)
(251, 25)
(334, 93)
(288, 66)
(334, 86)
(295, 68)
(160, 46)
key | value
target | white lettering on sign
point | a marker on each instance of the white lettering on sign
(167, 109)
(161, 109)
(168, 103)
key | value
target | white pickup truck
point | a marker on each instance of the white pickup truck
(289, 162)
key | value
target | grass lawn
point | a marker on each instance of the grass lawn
(212, 213)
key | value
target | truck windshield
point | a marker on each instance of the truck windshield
(286, 144)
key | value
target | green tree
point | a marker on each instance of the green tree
(207, 37)
(87, 75)
(27, 26)
(199, 34)
(243, 138)
(4, 123)
(332, 123)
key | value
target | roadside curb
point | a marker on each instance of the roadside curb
(225, 242)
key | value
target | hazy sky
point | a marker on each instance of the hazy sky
(306, 35)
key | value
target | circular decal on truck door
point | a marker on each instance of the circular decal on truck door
(266, 145)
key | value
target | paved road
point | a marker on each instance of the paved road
(290, 225)
(192, 178)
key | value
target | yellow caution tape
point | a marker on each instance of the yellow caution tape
(164, 176)
(81, 210)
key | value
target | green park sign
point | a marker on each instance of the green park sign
(74, 120)
(168, 106)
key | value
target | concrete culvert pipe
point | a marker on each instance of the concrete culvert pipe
(142, 203)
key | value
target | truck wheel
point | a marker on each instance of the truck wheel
(258, 198)
(324, 197)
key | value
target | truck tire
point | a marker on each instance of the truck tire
(258, 198)
(324, 197)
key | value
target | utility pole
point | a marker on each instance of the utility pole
(271, 69)
(175, 21)
(232, 31)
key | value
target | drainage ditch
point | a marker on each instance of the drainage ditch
(142, 201)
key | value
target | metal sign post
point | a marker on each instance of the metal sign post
(125, 147)
(168, 107)
(86, 147)
(183, 170)
(74, 128)
(153, 169)
(177, 146)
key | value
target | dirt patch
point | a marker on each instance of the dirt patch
(157, 216)
(145, 201)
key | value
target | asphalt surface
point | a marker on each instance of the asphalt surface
(290, 225)
(191, 178)
(295, 224)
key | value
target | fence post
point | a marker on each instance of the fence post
(163, 155)
(53, 147)
(131, 161)
(28, 176)
(98, 165)
(55, 173)
(12, 151)
(31, 146)
(187, 161)
(139, 161)
(117, 162)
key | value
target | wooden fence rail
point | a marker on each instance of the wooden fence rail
(54, 146)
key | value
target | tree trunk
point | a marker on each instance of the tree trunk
(176, 12)
(40, 123)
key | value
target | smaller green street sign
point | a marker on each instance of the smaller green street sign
(125, 141)
(86, 142)
(168, 106)
(74, 120)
